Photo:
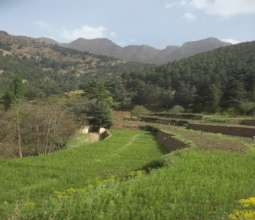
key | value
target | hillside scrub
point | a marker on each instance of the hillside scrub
(43, 128)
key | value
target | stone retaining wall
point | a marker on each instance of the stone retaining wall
(167, 141)
(189, 116)
(165, 121)
(235, 131)
(248, 122)
(241, 131)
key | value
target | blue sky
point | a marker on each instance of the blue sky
(153, 22)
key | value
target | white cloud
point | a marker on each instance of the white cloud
(113, 34)
(170, 5)
(190, 17)
(87, 32)
(225, 7)
(42, 24)
(232, 41)
(183, 3)
(176, 4)
(67, 35)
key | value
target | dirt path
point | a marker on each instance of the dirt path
(125, 146)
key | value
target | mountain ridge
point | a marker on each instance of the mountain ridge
(146, 53)
(132, 53)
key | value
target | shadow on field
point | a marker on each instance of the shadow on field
(167, 143)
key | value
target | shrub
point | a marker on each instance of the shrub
(216, 119)
(247, 108)
(139, 110)
(177, 109)
(44, 128)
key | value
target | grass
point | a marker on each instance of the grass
(82, 164)
(207, 140)
(225, 119)
(194, 185)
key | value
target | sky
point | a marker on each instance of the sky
(127, 22)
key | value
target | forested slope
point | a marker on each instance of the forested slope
(221, 79)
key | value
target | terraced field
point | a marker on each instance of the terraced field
(207, 140)
(84, 163)
(193, 185)
(204, 181)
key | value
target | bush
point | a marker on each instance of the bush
(177, 109)
(216, 119)
(247, 108)
(230, 112)
(44, 128)
(139, 110)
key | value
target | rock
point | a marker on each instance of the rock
(85, 130)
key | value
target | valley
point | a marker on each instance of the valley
(180, 136)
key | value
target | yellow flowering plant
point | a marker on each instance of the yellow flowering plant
(246, 210)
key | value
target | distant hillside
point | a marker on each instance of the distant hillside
(28, 46)
(196, 47)
(46, 40)
(49, 68)
(96, 46)
(145, 54)
(223, 79)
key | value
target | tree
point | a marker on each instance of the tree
(7, 100)
(233, 94)
(214, 98)
(14, 96)
(18, 90)
(100, 115)
(122, 99)
(185, 95)
(44, 128)
(97, 91)
(207, 98)
(100, 105)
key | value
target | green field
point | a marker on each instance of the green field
(81, 164)
(194, 184)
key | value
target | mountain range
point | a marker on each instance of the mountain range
(51, 69)
(144, 53)
(133, 53)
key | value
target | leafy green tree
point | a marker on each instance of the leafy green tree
(100, 115)
(234, 93)
(100, 107)
(208, 98)
(214, 98)
(97, 91)
(185, 95)
(7, 100)
(121, 97)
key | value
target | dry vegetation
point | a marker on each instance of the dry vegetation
(43, 128)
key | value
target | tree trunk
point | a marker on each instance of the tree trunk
(19, 133)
